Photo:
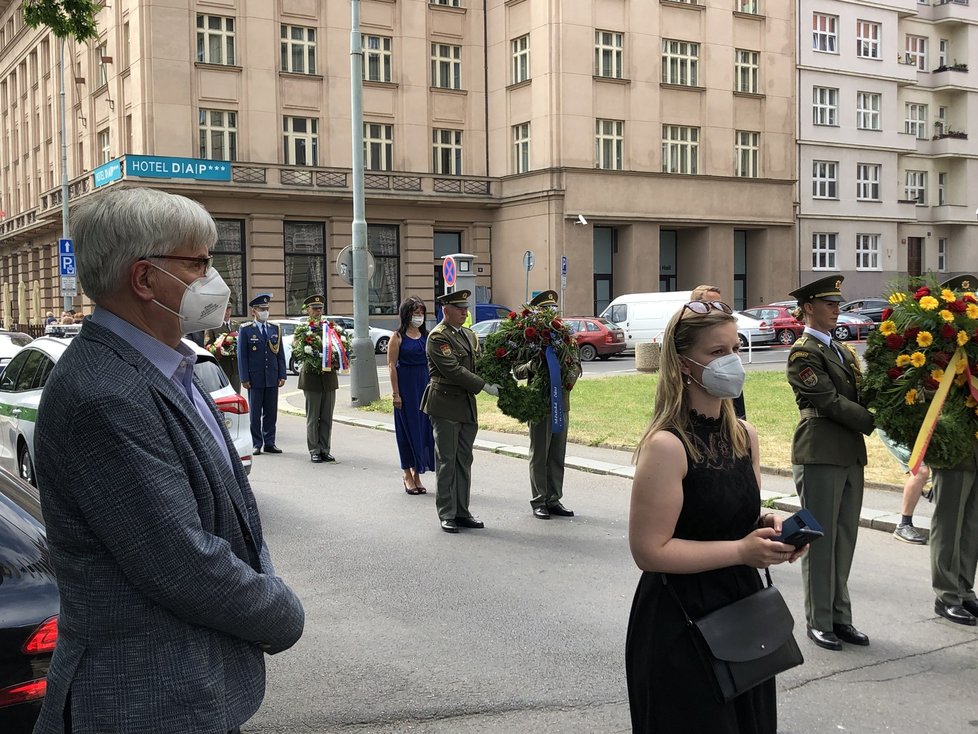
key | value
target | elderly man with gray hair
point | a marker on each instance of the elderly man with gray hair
(169, 601)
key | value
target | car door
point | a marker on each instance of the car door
(8, 381)
(21, 405)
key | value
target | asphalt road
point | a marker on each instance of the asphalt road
(520, 627)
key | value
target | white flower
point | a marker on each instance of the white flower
(307, 349)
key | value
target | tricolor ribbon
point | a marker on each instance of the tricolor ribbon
(332, 342)
(556, 392)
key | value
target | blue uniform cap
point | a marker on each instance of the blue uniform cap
(262, 299)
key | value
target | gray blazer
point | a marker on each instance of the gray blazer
(168, 595)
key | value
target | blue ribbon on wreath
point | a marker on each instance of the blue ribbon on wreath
(556, 392)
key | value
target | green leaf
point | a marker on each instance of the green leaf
(65, 18)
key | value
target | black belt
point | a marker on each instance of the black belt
(811, 413)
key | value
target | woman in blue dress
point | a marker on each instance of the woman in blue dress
(408, 367)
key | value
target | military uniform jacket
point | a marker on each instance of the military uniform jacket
(528, 372)
(261, 361)
(313, 378)
(451, 368)
(230, 364)
(827, 393)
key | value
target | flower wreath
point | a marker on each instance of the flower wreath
(920, 378)
(226, 345)
(307, 347)
(521, 338)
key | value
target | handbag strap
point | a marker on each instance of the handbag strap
(682, 608)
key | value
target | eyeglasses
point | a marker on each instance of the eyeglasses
(704, 307)
(204, 263)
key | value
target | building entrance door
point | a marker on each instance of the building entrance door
(915, 247)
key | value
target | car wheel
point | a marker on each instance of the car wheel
(382, 344)
(588, 353)
(743, 340)
(292, 366)
(26, 466)
(842, 333)
(786, 337)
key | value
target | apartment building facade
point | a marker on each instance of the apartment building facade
(888, 179)
(489, 127)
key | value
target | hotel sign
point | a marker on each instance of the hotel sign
(199, 169)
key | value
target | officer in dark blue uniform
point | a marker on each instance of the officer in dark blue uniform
(261, 365)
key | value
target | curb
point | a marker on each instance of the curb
(868, 517)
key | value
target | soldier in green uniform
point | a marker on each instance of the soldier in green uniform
(954, 526)
(228, 364)
(828, 456)
(449, 400)
(547, 449)
(319, 388)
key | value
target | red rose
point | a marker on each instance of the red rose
(894, 342)
(969, 299)
(958, 306)
(894, 372)
(941, 359)
(931, 383)
(530, 332)
(500, 352)
(568, 387)
(911, 333)
(887, 312)
(308, 338)
(948, 331)
(512, 315)
(526, 312)
(921, 292)
(557, 323)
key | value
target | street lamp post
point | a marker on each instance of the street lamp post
(64, 153)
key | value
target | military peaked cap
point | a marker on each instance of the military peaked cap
(458, 298)
(827, 288)
(545, 298)
(317, 300)
(961, 283)
(262, 299)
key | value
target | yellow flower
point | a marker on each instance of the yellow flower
(960, 380)
(947, 295)
(962, 338)
(911, 397)
(970, 402)
(917, 359)
(928, 303)
(971, 311)
(937, 373)
(960, 366)
(902, 360)
(897, 298)
(947, 315)
(887, 328)
(925, 339)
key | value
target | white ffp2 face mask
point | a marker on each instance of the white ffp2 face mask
(204, 301)
(417, 321)
(262, 315)
(723, 377)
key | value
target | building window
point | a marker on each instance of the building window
(448, 3)
(867, 252)
(745, 71)
(917, 52)
(747, 6)
(942, 255)
(867, 39)
(218, 133)
(941, 188)
(300, 135)
(378, 147)
(305, 263)
(825, 106)
(825, 32)
(521, 147)
(377, 59)
(215, 39)
(446, 66)
(680, 62)
(105, 151)
(229, 260)
(126, 46)
(446, 152)
(746, 149)
(824, 250)
(916, 121)
(609, 141)
(129, 148)
(521, 59)
(383, 243)
(916, 188)
(298, 49)
(825, 181)
(868, 110)
(680, 149)
(608, 53)
(101, 70)
(868, 181)
(942, 52)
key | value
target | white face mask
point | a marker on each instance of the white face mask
(417, 321)
(723, 377)
(261, 316)
(204, 301)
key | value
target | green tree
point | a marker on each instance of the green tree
(66, 18)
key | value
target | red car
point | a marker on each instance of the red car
(786, 327)
(596, 337)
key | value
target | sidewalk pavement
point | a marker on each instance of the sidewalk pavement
(881, 502)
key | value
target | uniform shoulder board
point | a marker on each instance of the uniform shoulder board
(246, 323)
(437, 329)
(802, 340)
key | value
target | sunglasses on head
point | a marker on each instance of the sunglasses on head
(704, 307)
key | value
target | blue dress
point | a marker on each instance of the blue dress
(415, 440)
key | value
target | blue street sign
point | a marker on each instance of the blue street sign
(107, 173)
(157, 166)
(67, 264)
(563, 264)
(66, 246)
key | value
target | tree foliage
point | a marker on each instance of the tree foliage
(66, 18)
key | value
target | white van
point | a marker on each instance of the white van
(644, 316)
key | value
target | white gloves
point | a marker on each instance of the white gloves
(491, 389)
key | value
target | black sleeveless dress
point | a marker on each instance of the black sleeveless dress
(667, 686)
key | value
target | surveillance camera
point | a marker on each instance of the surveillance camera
(581, 219)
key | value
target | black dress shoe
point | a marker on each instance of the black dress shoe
(955, 613)
(826, 640)
(541, 513)
(316, 459)
(273, 450)
(469, 522)
(970, 606)
(449, 526)
(848, 633)
(559, 509)
(256, 451)
(328, 458)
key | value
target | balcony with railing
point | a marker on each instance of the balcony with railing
(951, 10)
(946, 142)
(906, 69)
(956, 75)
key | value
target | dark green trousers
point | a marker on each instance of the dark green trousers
(319, 420)
(453, 466)
(954, 535)
(834, 495)
(547, 453)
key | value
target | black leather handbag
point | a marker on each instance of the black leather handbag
(744, 643)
